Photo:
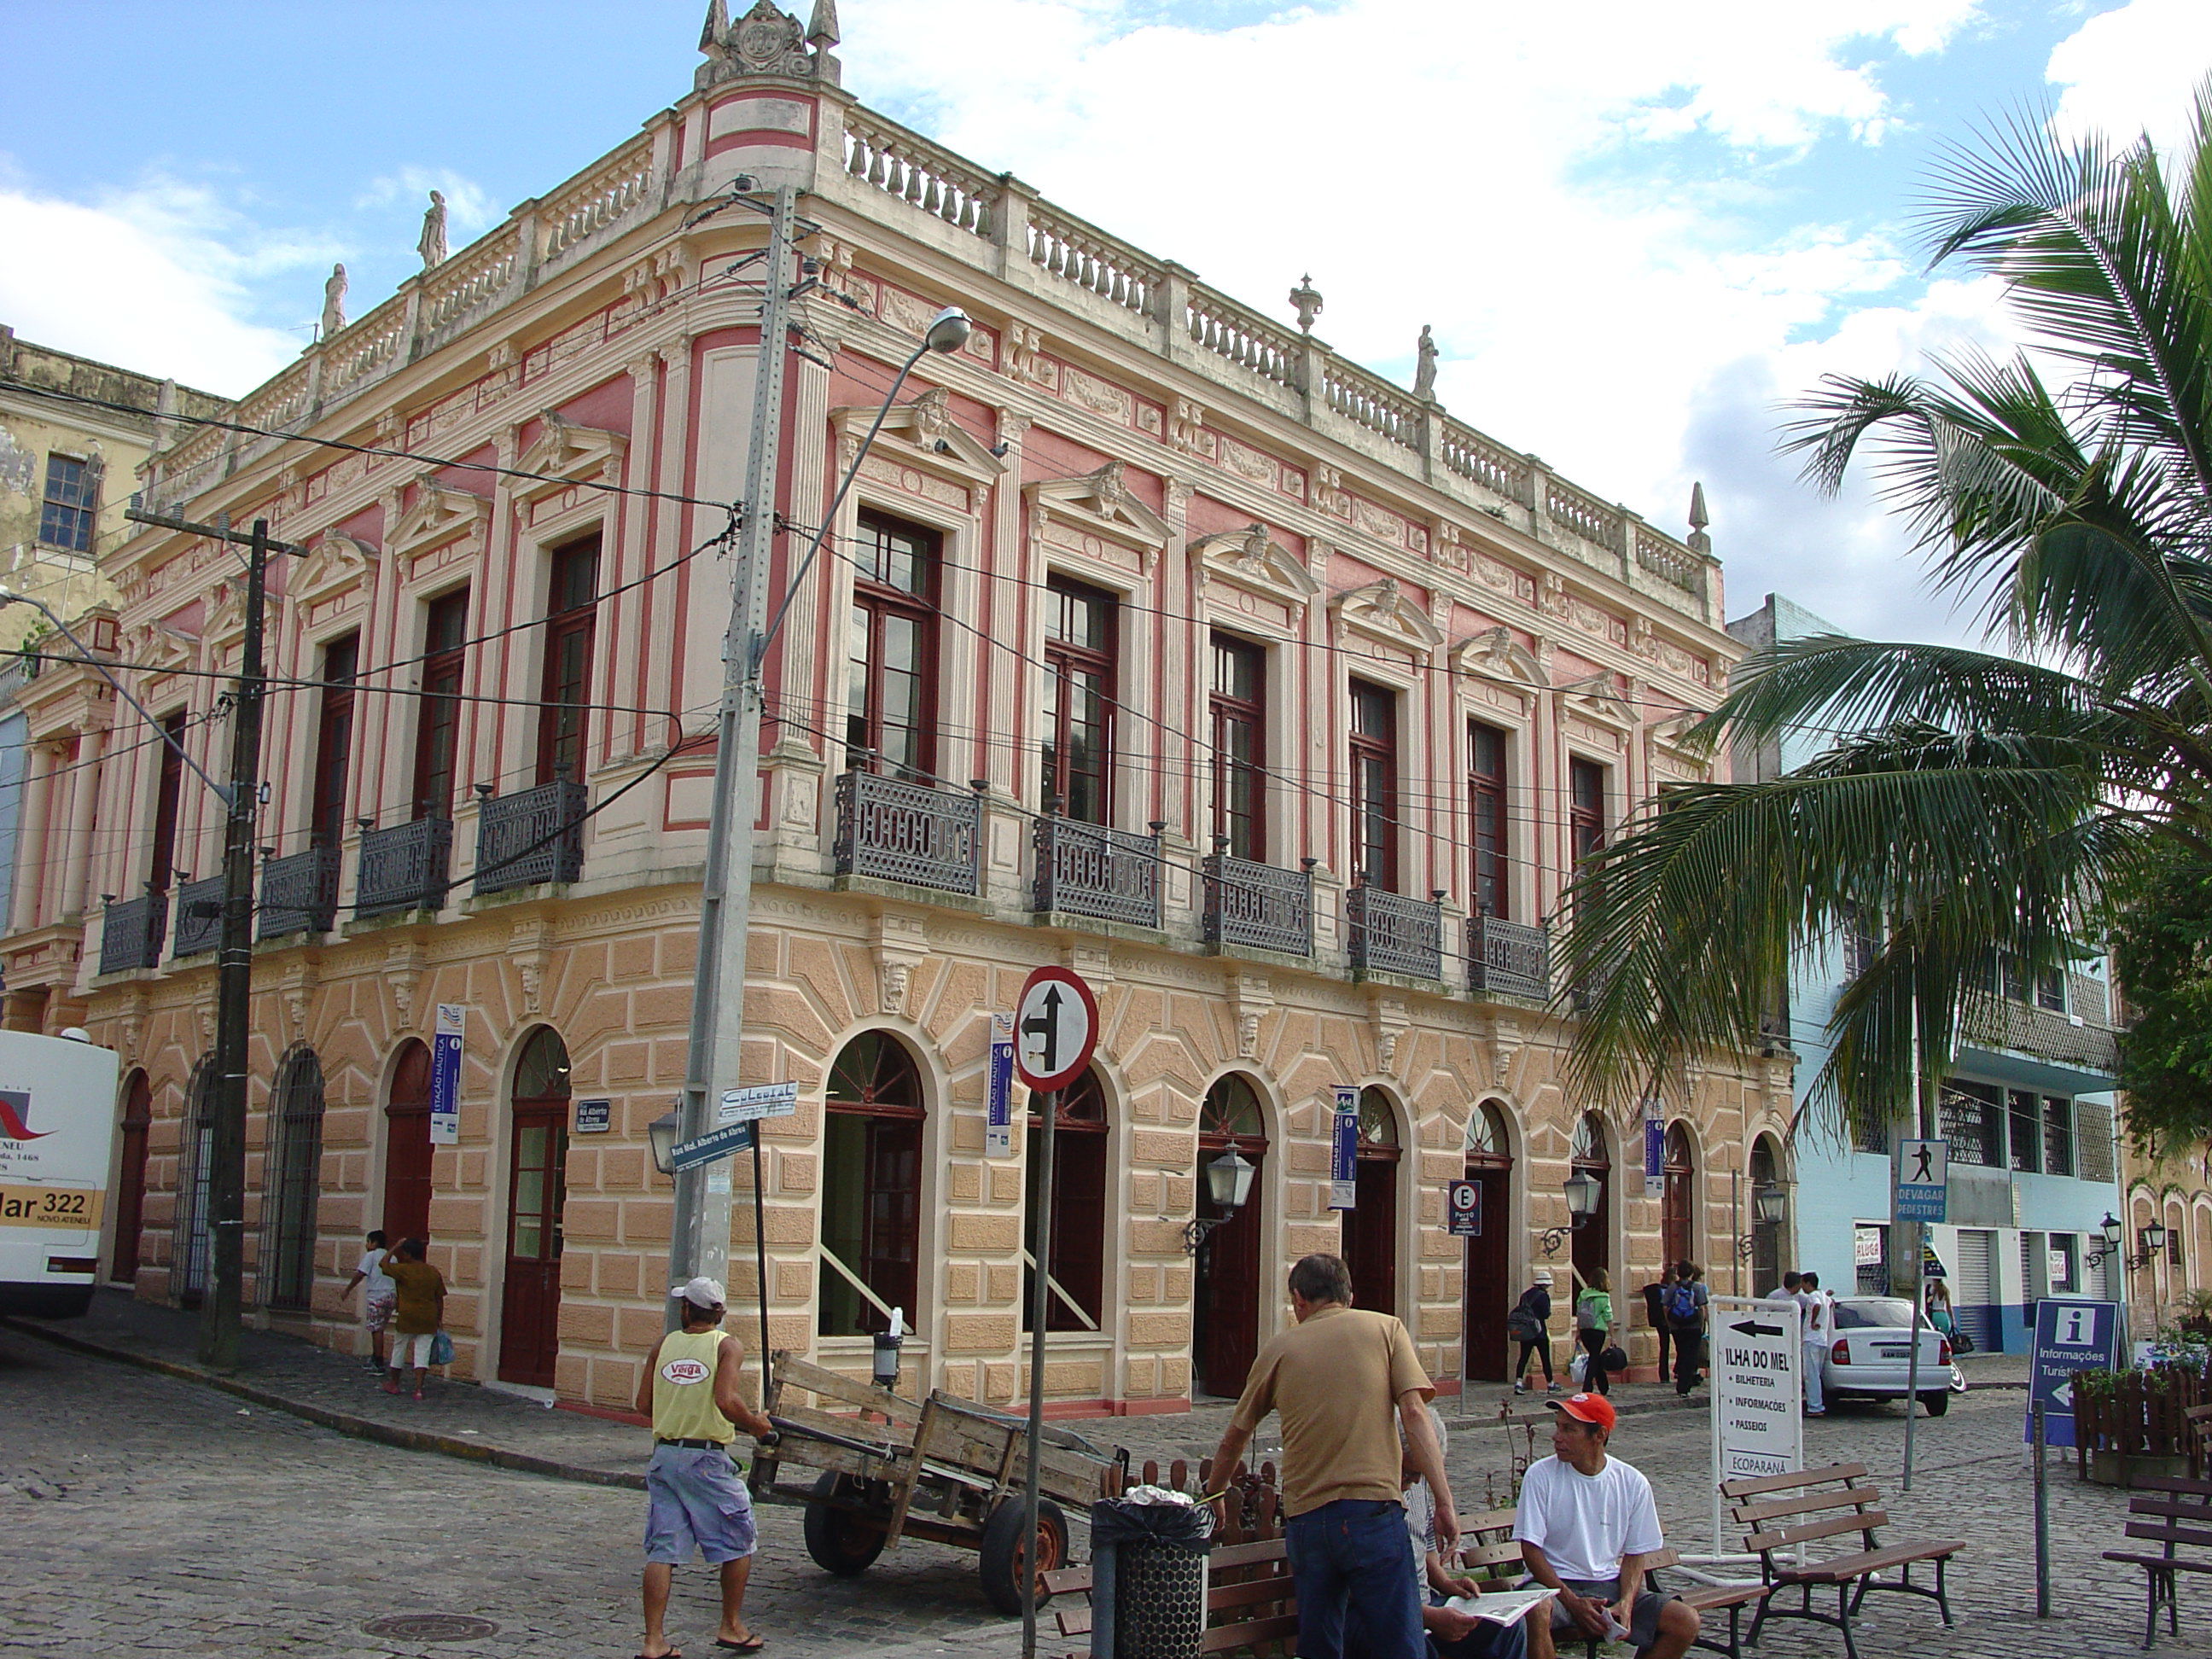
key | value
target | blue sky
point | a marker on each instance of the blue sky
(1637, 230)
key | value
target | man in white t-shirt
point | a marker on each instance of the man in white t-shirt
(1586, 1523)
(1819, 1327)
(378, 1299)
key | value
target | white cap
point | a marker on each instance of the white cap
(1543, 1276)
(702, 1293)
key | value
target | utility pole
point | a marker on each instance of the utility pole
(222, 1308)
(699, 1242)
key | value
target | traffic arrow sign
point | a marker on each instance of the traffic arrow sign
(1055, 1028)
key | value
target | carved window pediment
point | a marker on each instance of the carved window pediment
(1497, 654)
(334, 563)
(570, 455)
(1251, 558)
(1597, 698)
(1382, 610)
(439, 515)
(921, 433)
(1099, 503)
(160, 647)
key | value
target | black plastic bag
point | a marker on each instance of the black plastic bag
(1186, 1527)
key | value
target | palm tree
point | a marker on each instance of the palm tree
(1971, 802)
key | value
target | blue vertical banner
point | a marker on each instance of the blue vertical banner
(999, 1127)
(2071, 1334)
(445, 1074)
(1655, 1149)
(1344, 1151)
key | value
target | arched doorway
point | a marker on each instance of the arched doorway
(1678, 1233)
(1593, 1240)
(1490, 1292)
(530, 1303)
(1074, 1298)
(1225, 1288)
(1765, 1170)
(294, 1182)
(406, 1212)
(135, 1126)
(871, 1188)
(1370, 1228)
(192, 1234)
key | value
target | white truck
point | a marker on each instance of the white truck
(57, 1128)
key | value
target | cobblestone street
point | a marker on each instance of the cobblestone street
(148, 1513)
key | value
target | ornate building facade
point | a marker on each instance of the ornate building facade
(1153, 639)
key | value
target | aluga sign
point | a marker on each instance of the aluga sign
(56, 1139)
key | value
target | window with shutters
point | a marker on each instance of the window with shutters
(169, 791)
(1486, 810)
(1374, 785)
(438, 710)
(1239, 749)
(333, 742)
(571, 624)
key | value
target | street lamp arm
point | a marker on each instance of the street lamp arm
(9, 596)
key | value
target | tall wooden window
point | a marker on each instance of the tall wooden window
(334, 741)
(1374, 785)
(1078, 1267)
(1486, 795)
(871, 1188)
(168, 795)
(1079, 695)
(1240, 747)
(890, 664)
(571, 620)
(438, 710)
(1585, 808)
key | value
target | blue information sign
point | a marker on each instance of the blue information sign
(999, 1127)
(445, 1074)
(2071, 1334)
(714, 1144)
(1344, 1152)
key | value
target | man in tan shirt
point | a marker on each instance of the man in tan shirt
(1337, 1377)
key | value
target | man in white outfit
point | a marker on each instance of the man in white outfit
(1819, 1310)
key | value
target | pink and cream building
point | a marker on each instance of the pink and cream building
(1154, 639)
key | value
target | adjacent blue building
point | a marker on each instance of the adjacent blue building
(2028, 1111)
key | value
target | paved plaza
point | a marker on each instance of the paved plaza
(150, 1513)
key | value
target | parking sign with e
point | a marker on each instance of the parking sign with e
(1463, 1209)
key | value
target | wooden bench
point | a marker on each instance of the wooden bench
(2170, 1512)
(1780, 1513)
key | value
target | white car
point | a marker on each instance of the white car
(1869, 1358)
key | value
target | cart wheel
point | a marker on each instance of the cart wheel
(839, 1540)
(1002, 1565)
(1937, 1403)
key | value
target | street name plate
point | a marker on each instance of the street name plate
(715, 1142)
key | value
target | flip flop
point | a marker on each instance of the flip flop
(673, 1653)
(751, 1645)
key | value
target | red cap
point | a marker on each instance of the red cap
(1587, 1409)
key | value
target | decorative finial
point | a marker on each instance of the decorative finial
(1699, 542)
(714, 38)
(1307, 301)
(822, 32)
(1424, 369)
(431, 245)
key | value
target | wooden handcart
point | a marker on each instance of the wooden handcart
(946, 1470)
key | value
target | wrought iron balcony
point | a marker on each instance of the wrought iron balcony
(1509, 957)
(532, 837)
(1391, 933)
(894, 830)
(131, 933)
(300, 893)
(404, 868)
(1259, 906)
(199, 915)
(1088, 870)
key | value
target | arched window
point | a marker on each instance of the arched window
(870, 1188)
(1678, 1231)
(190, 1234)
(294, 1178)
(136, 1125)
(1593, 1157)
(406, 1212)
(1765, 1171)
(1489, 1292)
(1078, 1208)
(1487, 1140)
(1370, 1228)
(1225, 1297)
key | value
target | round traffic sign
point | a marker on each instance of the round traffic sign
(1055, 1027)
(1464, 1195)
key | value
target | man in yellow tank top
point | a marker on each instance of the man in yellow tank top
(695, 1498)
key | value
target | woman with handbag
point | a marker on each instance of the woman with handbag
(1594, 1329)
(1530, 1325)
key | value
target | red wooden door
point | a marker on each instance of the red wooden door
(407, 1148)
(530, 1307)
(1490, 1293)
(1369, 1229)
(130, 1179)
(1225, 1288)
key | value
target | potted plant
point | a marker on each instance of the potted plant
(2197, 1312)
(2130, 1425)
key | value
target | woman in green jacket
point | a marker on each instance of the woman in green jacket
(1594, 1329)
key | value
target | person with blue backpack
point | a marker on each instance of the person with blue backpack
(1685, 1300)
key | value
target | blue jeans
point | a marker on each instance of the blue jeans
(1355, 1553)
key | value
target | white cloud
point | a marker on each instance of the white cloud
(469, 210)
(2134, 70)
(153, 278)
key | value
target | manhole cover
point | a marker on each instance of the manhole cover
(431, 1627)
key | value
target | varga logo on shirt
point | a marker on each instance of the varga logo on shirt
(685, 1371)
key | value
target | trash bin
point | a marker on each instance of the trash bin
(1148, 1553)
